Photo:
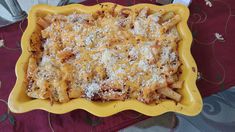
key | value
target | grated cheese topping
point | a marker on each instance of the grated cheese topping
(147, 52)
(140, 27)
(92, 89)
(115, 56)
(143, 65)
(165, 54)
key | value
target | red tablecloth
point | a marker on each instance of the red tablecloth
(213, 26)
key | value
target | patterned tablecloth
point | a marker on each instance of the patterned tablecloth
(212, 23)
(218, 115)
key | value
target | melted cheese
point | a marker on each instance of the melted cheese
(111, 50)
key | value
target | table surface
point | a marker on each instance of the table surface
(212, 49)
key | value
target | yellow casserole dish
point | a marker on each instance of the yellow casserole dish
(191, 104)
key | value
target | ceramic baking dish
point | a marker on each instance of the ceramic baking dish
(191, 103)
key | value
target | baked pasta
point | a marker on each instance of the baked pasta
(107, 55)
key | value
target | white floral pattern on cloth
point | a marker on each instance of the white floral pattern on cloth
(219, 36)
(200, 17)
(208, 3)
(6, 117)
(1, 43)
(49, 121)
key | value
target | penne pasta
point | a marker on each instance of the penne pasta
(62, 92)
(32, 66)
(111, 54)
(170, 94)
(170, 23)
(43, 23)
(167, 16)
(75, 93)
(178, 84)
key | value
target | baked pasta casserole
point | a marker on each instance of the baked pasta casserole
(106, 55)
